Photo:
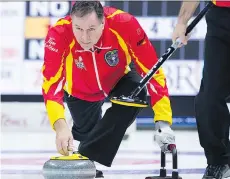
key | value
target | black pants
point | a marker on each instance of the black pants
(212, 114)
(101, 137)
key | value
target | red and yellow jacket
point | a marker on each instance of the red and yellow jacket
(221, 3)
(91, 75)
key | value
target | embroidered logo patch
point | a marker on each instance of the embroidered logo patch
(79, 63)
(111, 57)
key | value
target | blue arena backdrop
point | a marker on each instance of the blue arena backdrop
(183, 69)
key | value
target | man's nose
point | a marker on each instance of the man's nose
(85, 36)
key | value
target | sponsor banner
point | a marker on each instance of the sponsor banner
(28, 117)
(32, 77)
(11, 48)
(156, 28)
(34, 49)
(12, 15)
(183, 115)
(46, 9)
(32, 117)
(39, 17)
(162, 27)
(12, 30)
(183, 76)
(186, 122)
(36, 28)
(11, 77)
(25, 117)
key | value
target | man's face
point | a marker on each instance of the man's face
(87, 29)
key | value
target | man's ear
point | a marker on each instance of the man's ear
(103, 23)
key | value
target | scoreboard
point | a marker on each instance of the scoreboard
(158, 19)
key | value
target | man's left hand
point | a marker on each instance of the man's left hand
(164, 135)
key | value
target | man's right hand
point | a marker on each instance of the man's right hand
(186, 11)
(64, 137)
(179, 32)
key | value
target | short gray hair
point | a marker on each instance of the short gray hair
(82, 8)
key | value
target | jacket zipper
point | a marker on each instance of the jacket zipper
(97, 74)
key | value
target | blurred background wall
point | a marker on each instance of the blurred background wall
(24, 26)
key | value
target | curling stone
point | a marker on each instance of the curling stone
(74, 166)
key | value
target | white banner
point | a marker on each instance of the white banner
(12, 15)
(26, 117)
(183, 76)
(32, 117)
(49, 8)
(11, 77)
(11, 48)
(32, 77)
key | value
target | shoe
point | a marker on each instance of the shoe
(99, 174)
(125, 137)
(217, 172)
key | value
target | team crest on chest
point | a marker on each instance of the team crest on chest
(79, 63)
(111, 57)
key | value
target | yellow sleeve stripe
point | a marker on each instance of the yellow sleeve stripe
(162, 110)
(48, 83)
(124, 48)
(139, 63)
(214, 2)
(55, 111)
(115, 13)
(159, 77)
(69, 69)
(62, 22)
(43, 68)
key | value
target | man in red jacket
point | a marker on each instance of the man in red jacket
(212, 114)
(87, 59)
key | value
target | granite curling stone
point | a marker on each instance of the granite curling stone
(74, 166)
